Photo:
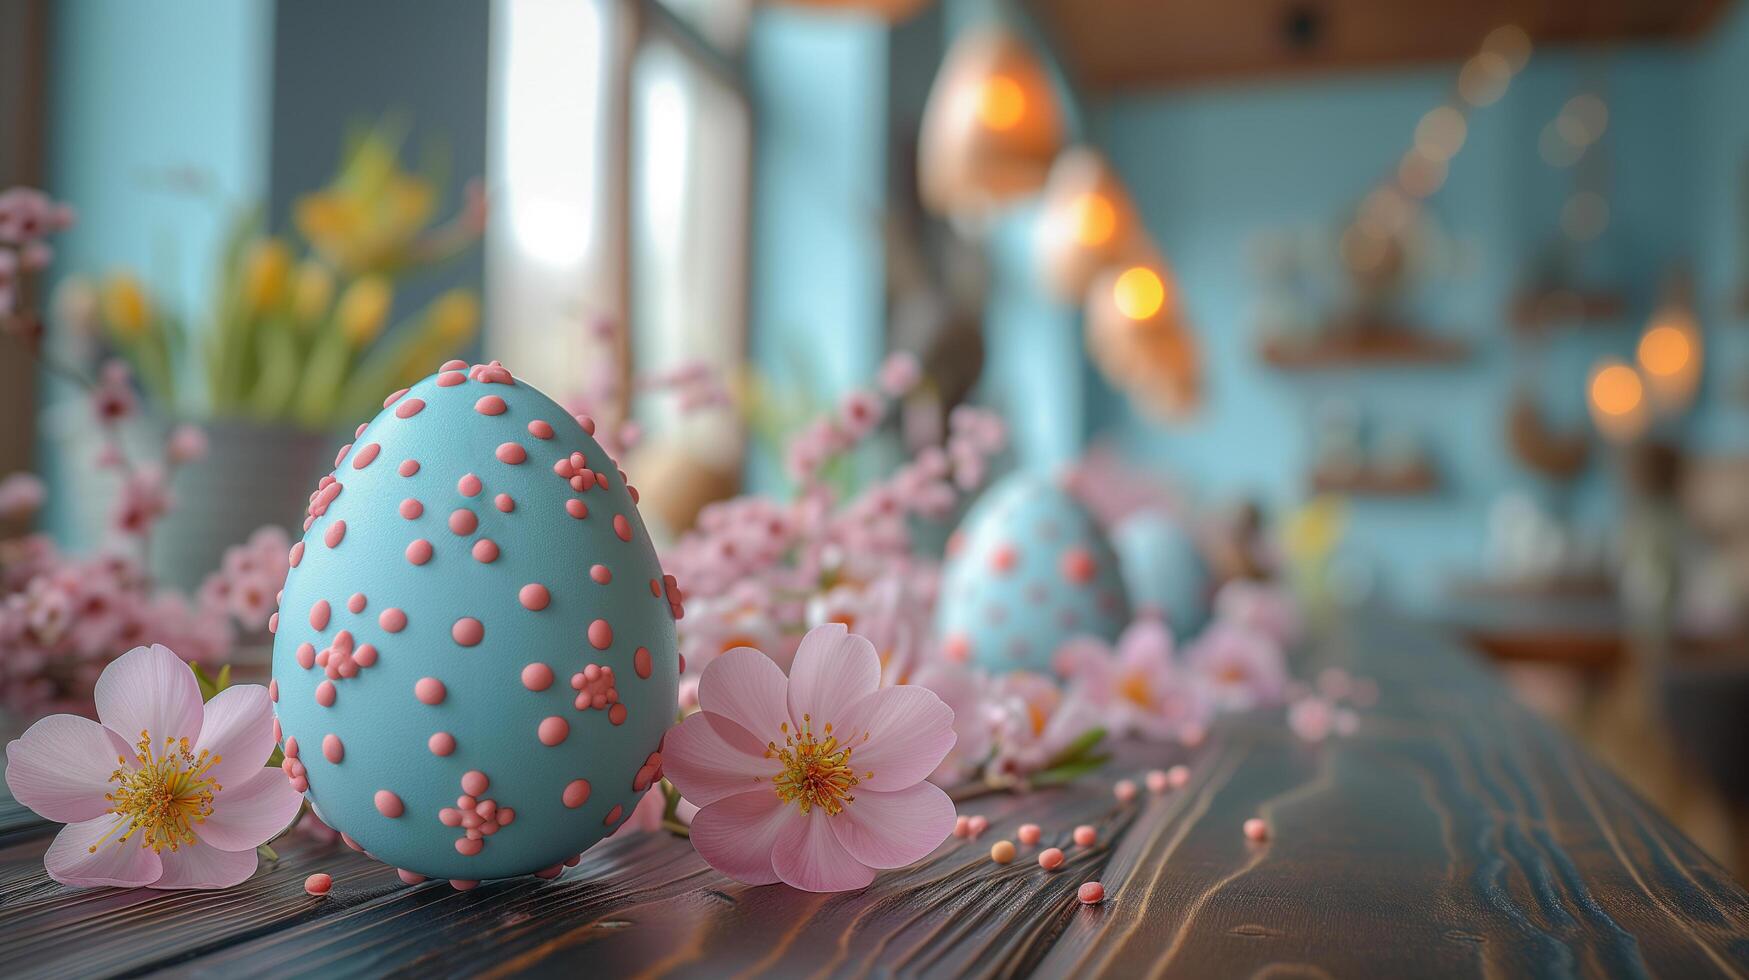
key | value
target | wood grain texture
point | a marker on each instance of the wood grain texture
(1456, 835)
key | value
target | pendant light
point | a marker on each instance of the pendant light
(991, 127)
(1087, 223)
(891, 11)
(1138, 340)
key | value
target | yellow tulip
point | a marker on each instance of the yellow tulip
(454, 315)
(126, 307)
(266, 270)
(312, 291)
(364, 308)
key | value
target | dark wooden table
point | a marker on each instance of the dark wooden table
(1455, 835)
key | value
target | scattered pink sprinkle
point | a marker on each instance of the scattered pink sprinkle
(1085, 835)
(1124, 790)
(1091, 893)
(1051, 858)
(978, 824)
(1157, 781)
(1178, 776)
(1256, 830)
(318, 884)
(1030, 834)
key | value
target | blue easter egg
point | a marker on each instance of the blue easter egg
(475, 656)
(1164, 570)
(1028, 570)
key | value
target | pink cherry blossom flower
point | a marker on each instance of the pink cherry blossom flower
(166, 792)
(818, 779)
(1264, 608)
(900, 373)
(21, 495)
(1240, 667)
(1035, 721)
(1139, 688)
(965, 692)
(187, 444)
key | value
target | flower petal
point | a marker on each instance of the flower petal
(744, 686)
(807, 855)
(149, 689)
(891, 830)
(249, 813)
(897, 734)
(834, 669)
(71, 861)
(737, 834)
(708, 757)
(200, 866)
(60, 767)
(238, 728)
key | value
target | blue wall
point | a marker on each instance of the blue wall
(1720, 173)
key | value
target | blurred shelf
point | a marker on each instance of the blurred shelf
(1541, 310)
(1372, 481)
(1378, 347)
(1564, 586)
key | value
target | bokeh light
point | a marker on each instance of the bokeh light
(1001, 102)
(1139, 293)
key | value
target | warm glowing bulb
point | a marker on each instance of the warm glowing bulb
(1664, 350)
(1616, 390)
(1095, 220)
(1139, 293)
(1001, 103)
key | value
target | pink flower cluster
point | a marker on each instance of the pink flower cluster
(758, 572)
(27, 218)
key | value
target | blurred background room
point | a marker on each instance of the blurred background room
(1435, 309)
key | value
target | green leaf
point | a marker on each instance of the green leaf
(267, 852)
(1068, 772)
(1075, 750)
(209, 685)
(274, 760)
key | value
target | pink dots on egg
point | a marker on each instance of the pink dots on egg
(468, 847)
(335, 534)
(553, 730)
(641, 662)
(613, 815)
(273, 692)
(297, 554)
(1003, 559)
(419, 551)
(576, 508)
(512, 453)
(504, 502)
(467, 631)
(453, 364)
(306, 655)
(616, 714)
(429, 690)
(600, 634)
(355, 605)
(622, 527)
(475, 782)
(441, 743)
(490, 405)
(409, 408)
(320, 612)
(463, 522)
(600, 574)
(576, 793)
(389, 804)
(468, 485)
(412, 509)
(325, 694)
(534, 596)
(408, 467)
(485, 551)
(332, 748)
(273, 623)
(394, 398)
(449, 379)
(540, 429)
(1077, 566)
(365, 655)
(366, 455)
(537, 677)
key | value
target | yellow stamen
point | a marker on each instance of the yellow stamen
(161, 793)
(816, 772)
